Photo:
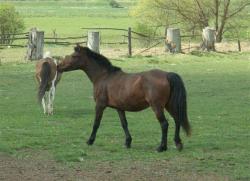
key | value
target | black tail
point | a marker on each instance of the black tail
(44, 75)
(178, 101)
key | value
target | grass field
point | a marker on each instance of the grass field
(68, 17)
(218, 87)
(218, 102)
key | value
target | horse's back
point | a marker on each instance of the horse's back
(156, 87)
(52, 66)
(136, 91)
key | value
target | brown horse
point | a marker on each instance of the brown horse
(131, 92)
(47, 78)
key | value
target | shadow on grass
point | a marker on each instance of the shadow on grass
(75, 113)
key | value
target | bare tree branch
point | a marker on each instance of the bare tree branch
(238, 10)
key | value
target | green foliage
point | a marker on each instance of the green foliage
(10, 22)
(149, 31)
(114, 4)
(148, 12)
(146, 30)
(192, 15)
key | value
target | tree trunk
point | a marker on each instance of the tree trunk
(223, 21)
(216, 14)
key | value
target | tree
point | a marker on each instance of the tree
(224, 11)
(114, 4)
(10, 23)
(190, 14)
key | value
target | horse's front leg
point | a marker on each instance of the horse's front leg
(98, 116)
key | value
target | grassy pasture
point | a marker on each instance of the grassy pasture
(218, 103)
(64, 16)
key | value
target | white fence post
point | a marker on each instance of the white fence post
(94, 41)
(208, 38)
(35, 44)
(173, 40)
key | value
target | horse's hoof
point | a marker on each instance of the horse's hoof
(128, 145)
(161, 148)
(90, 142)
(179, 146)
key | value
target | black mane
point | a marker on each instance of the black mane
(101, 60)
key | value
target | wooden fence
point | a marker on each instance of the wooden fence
(35, 40)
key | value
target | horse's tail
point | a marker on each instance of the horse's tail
(44, 77)
(178, 101)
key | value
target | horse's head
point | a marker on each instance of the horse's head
(74, 61)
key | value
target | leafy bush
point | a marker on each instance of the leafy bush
(150, 33)
(10, 23)
(114, 4)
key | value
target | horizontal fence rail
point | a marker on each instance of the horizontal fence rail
(66, 38)
(64, 43)
(140, 42)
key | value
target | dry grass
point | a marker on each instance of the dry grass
(18, 54)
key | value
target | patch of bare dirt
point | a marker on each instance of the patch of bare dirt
(40, 167)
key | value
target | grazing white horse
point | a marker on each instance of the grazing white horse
(47, 77)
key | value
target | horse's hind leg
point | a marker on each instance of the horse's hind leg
(44, 105)
(177, 138)
(51, 99)
(125, 128)
(52, 93)
(159, 112)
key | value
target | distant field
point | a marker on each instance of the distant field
(66, 16)
(63, 8)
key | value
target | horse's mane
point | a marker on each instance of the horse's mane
(101, 60)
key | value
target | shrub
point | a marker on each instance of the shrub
(10, 23)
(150, 33)
(114, 4)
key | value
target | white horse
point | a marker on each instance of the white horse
(47, 77)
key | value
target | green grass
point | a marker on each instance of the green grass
(218, 101)
(218, 104)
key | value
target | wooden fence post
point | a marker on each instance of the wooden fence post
(173, 40)
(35, 44)
(129, 42)
(94, 41)
(208, 38)
(239, 46)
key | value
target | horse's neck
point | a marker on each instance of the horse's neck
(95, 73)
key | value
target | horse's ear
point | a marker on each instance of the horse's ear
(77, 48)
